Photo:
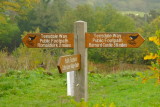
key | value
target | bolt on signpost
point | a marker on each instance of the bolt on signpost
(81, 40)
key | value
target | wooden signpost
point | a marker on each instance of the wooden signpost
(81, 77)
(77, 82)
(49, 40)
(113, 40)
(69, 63)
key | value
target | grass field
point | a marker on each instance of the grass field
(38, 89)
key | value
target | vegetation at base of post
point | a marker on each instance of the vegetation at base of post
(39, 88)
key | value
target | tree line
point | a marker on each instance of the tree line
(123, 5)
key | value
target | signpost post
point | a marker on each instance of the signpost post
(81, 79)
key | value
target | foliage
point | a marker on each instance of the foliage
(29, 58)
(9, 11)
(9, 36)
(82, 12)
(6, 62)
(154, 14)
(23, 58)
(148, 30)
(45, 16)
(57, 16)
(110, 20)
(13, 8)
(99, 19)
(155, 66)
(102, 19)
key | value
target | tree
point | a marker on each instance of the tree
(81, 12)
(13, 8)
(102, 19)
(154, 14)
(109, 19)
(45, 15)
(9, 11)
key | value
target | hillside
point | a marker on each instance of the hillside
(124, 5)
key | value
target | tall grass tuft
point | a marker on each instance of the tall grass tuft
(29, 58)
(6, 61)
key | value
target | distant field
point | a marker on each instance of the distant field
(138, 13)
(38, 89)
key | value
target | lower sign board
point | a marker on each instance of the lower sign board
(49, 40)
(69, 63)
(113, 40)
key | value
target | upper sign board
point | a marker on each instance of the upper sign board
(113, 40)
(49, 40)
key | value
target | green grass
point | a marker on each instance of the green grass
(125, 91)
(36, 89)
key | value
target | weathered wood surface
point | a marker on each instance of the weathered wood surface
(81, 78)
